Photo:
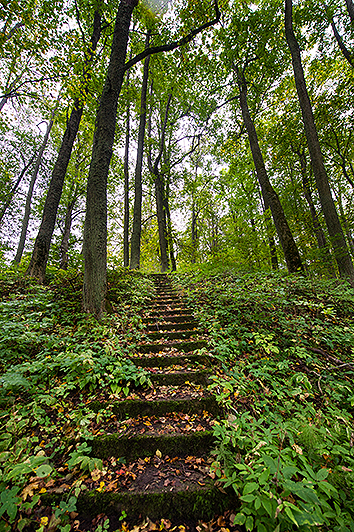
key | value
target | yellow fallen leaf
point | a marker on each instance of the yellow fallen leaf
(158, 454)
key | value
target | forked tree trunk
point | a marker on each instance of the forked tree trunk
(138, 192)
(95, 232)
(40, 252)
(291, 253)
(26, 217)
(15, 187)
(341, 253)
(160, 192)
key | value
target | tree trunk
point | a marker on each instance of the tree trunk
(95, 232)
(21, 244)
(170, 237)
(341, 253)
(14, 188)
(138, 193)
(126, 185)
(42, 244)
(160, 191)
(342, 47)
(291, 253)
(194, 235)
(350, 8)
(161, 221)
(320, 236)
(64, 245)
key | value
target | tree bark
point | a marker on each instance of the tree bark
(160, 193)
(95, 231)
(26, 217)
(274, 263)
(341, 253)
(291, 253)
(64, 245)
(40, 253)
(14, 188)
(138, 193)
(350, 8)
(126, 185)
(342, 47)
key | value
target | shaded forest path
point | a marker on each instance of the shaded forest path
(169, 431)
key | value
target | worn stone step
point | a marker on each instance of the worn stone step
(179, 378)
(169, 318)
(203, 503)
(135, 407)
(141, 446)
(173, 335)
(177, 326)
(186, 347)
(163, 360)
(167, 312)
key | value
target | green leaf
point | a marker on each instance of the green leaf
(250, 487)
(249, 523)
(322, 474)
(240, 518)
(44, 470)
(247, 498)
(263, 477)
(267, 505)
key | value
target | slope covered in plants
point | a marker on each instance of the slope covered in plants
(286, 446)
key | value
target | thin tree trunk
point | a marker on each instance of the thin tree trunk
(95, 232)
(291, 253)
(40, 253)
(138, 193)
(341, 253)
(194, 235)
(64, 245)
(350, 8)
(26, 217)
(342, 47)
(320, 236)
(126, 184)
(160, 191)
(14, 188)
(269, 230)
(170, 238)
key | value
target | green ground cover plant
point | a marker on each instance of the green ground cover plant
(285, 378)
(54, 359)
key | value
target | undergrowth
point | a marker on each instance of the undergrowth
(285, 346)
(54, 361)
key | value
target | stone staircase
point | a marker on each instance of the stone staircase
(168, 428)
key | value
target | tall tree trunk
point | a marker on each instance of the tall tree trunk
(64, 245)
(95, 232)
(42, 244)
(346, 53)
(291, 253)
(320, 236)
(21, 244)
(194, 234)
(350, 8)
(14, 188)
(161, 221)
(138, 193)
(170, 237)
(341, 253)
(274, 263)
(126, 184)
(160, 192)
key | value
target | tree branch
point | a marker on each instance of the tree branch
(176, 44)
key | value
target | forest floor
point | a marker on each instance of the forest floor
(227, 397)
